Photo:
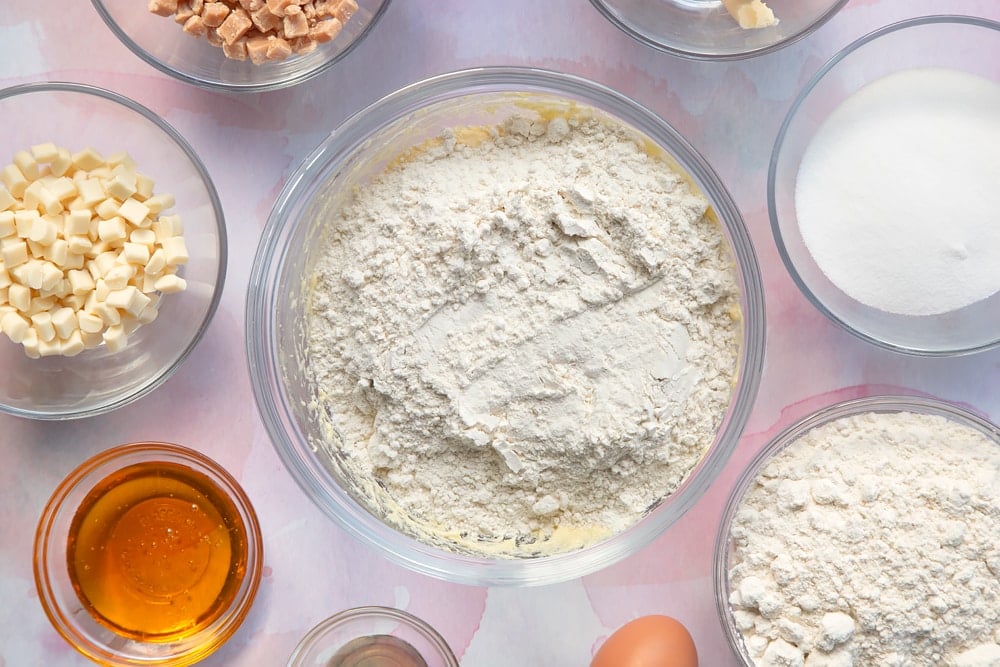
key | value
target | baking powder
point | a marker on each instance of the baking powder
(872, 541)
(523, 337)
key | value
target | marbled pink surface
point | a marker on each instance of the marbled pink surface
(730, 112)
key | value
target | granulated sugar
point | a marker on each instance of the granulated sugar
(897, 194)
(524, 341)
(872, 541)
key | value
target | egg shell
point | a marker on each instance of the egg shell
(648, 641)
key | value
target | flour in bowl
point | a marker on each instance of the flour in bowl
(522, 338)
(871, 541)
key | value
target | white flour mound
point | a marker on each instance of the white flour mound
(872, 541)
(524, 341)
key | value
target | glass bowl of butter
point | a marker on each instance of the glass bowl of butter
(718, 30)
(543, 276)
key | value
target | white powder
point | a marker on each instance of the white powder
(898, 193)
(873, 540)
(524, 340)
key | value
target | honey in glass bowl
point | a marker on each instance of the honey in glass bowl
(156, 551)
(148, 554)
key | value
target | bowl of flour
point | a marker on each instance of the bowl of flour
(866, 534)
(882, 187)
(505, 325)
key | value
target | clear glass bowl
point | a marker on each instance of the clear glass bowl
(704, 30)
(161, 42)
(96, 381)
(356, 152)
(962, 43)
(52, 573)
(723, 556)
(351, 627)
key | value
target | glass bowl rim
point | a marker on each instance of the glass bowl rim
(882, 403)
(347, 513)
(106, 462)
(692, 54)
(792, 115)
(404, 617)
(220, 228)
(212, 84)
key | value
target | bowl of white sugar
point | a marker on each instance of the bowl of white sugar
(505, 325)
(882, 187)
(865, 534)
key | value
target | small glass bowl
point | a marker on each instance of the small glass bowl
(360, 150)
(723, 555)
(64, 606)
(96, 381)
(704, 30)
(355, 626)
(962, 43)
(161, 42)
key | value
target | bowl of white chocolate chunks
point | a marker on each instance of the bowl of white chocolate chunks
(113, 250)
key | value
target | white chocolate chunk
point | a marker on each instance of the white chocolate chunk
(13, 180)
(7, 227)
(91, 192)
(62, 188)
(52, 276)
(46, 152)
(79, 245)
(76, 223)
(121, 186)
(135, 253)
(143, 187)
(63, 163)
(43, 230)
(112, 229)
(133, 211)
(73, 344)
(19, 296)
(107, 209)
(15, 326)
(108, 314)
(147, 237)
(175, 250)
(14, 253)
(64, 322)
(115, 339)
(170, 283)
(158, 203)
(43, 326)
(87, 159)
(89, 322)
(27, 165)
(49, 348)
(7, 200)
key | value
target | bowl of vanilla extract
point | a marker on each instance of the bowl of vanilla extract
(148, 553)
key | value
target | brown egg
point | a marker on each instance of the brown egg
(648, 641)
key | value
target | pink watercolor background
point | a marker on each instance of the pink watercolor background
(729, 111)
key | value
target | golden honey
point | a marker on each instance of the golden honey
(157, 551)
